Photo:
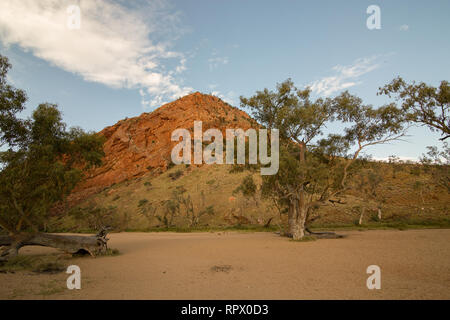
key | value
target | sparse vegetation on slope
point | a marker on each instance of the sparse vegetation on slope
(136, 207)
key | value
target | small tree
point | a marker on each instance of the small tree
(94, 217)
(180, 198)
(438, 164)
(248, 188)
(172, 209)
(147, 209)
(420, 187)
(396, 164)
(367, 184)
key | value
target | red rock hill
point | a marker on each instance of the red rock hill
(143, 144)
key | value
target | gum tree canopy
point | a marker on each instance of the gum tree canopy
(422, 103)
(40, 163)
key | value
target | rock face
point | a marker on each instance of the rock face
(143, 144)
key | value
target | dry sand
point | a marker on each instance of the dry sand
(414, 264)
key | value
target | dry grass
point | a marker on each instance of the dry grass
(403, 207)
(36, 263)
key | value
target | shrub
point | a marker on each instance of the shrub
(208, 210)
(142, 202)
(49, 267)
(93, 217)
(170, 165)
(110, 252)
(175, 175)
(374, 218)
(38, 264)
(415, 170)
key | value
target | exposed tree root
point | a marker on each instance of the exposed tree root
(324, 235)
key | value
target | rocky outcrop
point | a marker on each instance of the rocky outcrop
(143, 144)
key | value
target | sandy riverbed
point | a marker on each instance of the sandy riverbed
(415, 264)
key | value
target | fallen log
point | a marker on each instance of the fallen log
(92, 245)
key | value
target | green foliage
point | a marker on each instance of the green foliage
(142, 202)
(170, 164)
(208, 210)
(43, 162)
(205, 228)
(396, 165)
(368, 182)
(175, 175)
(147, 209)
(290, 111)
(182, 205)
(96, 217)
(172, 206)
(374, 217)
(247, 187)
(423, 104)
(305, 239)
(12, 102)
(437, 162)
(109, 253)
(38, 264)
(147, 184)
(415, 170)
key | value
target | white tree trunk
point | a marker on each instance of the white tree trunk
(299, 229)
(361, 216)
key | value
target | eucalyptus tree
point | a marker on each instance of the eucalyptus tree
(313, 169)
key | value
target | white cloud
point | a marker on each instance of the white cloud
(345, 76)
(215, 62)
(117, 45)
(404, 27)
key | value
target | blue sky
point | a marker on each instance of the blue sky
(130, 58)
